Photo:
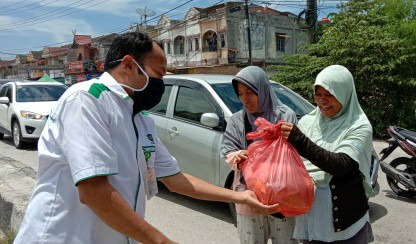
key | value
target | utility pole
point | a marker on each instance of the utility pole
(311, 17)
(250, 59)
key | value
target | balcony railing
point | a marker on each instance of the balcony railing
(210, 48)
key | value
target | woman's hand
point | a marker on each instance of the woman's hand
(286, 128)
(250, 199)
(241, 156)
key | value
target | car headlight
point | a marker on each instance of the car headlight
(30, 115)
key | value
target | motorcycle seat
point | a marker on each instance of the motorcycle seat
(410, 135)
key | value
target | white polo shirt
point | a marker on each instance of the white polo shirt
(91, 133)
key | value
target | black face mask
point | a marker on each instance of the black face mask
(150, 96)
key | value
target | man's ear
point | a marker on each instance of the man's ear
(127, 62)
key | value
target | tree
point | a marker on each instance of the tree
(372, 38)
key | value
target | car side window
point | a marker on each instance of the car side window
(162, 106)
(6, 91)
(191, 104)
(3, 91)
(9, 93)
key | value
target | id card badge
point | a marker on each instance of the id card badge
(150, 183)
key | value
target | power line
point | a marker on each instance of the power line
(171, 10)
(39, 18)
(14, 4)
(295, 1)
(93, 5)
(14, 54)
(185, 21)
(34, 3)
(123, 29)
(29, 9)
(117, 30)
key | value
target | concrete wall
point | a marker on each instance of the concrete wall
(264, 27)
(223, 69)
(190, 29)
(219, 26)
(232, 26)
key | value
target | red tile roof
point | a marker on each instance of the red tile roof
(82, 39)
(56, 51)
(6, 63)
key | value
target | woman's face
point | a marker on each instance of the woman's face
(248, 98)
(327, 103)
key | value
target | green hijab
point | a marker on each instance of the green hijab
(348, 132)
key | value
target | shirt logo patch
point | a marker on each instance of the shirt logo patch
(150, 137)
(147, 155)
(147, 151)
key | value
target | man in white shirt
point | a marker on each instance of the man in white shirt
(99, 157)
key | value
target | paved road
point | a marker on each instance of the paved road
(188, 221)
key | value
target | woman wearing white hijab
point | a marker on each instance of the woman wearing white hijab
(253, 88)
(336, 138)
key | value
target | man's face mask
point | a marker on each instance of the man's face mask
(148, 96)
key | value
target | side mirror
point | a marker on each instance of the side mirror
(4, 100)
(210, 119)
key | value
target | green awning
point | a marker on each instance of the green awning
(46, 77)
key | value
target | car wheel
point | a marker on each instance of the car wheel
(17, 135)
(1, 136)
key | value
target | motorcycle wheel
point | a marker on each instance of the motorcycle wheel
(402, 164)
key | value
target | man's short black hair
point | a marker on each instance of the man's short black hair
(136, 44)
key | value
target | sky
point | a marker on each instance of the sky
(29, 25)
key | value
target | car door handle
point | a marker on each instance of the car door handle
(174, 131)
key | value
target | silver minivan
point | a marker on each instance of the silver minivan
(191, 119)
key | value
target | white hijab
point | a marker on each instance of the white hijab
(348, 132)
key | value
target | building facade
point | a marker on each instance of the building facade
(85, 59)
(54, 61)
(217, 36)
(6, 69)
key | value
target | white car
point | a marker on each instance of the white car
(191, 119)
(25, 107)
(192, 116)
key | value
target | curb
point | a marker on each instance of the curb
(16, 185)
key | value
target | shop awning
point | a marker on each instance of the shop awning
(46, 77)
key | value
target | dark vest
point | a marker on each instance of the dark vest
(349, 200)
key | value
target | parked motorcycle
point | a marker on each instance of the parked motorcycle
(401, 172)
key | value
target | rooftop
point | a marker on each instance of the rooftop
(209, 78)
(82, 39)
(54, 51)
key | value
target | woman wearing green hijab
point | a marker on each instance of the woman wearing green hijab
(336, 139)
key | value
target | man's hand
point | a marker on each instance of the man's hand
(249, 198)
(191, 186)
(286, 128)
(241, 156)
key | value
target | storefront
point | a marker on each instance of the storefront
(80, 71)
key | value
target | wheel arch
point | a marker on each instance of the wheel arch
(12, 120)
(229, 181)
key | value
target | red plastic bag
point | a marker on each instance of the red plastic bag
(275, 172)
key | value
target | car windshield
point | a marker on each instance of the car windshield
(39, 93)
(288, 97)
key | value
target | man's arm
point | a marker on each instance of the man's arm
(193, 187)
(98, 194)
